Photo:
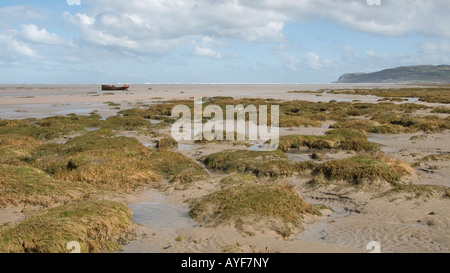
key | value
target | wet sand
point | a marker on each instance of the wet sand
(399, 224)
(38, 101)
(160, 216)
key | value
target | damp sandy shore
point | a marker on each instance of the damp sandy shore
(398, 224)
(28, 101)
(161, 216)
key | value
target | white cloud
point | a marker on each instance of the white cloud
(290, 61)
(157, 26)
(205, 48)
(85, 20)
(436, 48)
(32, 33)
(12, 49)
(391, 18)
(206, 52)
(108, 30)
(15, 14)
(349, 54)
(429, 53)
(312, 60)
(376, 55)
(289, 54)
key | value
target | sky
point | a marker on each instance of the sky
(216, 41)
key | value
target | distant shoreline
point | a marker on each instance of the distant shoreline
(40, 101)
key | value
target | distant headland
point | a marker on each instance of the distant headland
(404, 74)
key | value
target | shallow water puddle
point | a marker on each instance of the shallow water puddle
(155, 121)
(91, 129)
(379, 139)
(204, 167)
(298, 156)
(412, 100)
(185, 147)
(148, 144)
(73, 110)
(159, 214)
(255, 147)
(376, 138)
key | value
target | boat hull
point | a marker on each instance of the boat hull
(112, 87)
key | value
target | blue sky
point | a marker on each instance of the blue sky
(216, 41)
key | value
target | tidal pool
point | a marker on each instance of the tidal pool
(159, 214)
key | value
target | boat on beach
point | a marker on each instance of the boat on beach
(112, 87)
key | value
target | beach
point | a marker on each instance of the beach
(350, 216)
(24, 101)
